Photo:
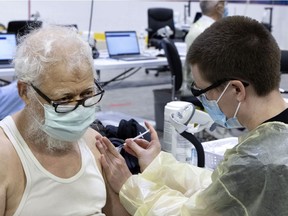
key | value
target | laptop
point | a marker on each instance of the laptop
(123, 45)
(7, 49)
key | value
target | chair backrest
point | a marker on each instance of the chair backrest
(198, 15)
(174, 63)
(159, 18)
(22, 27)
(284, 61)
(70, 26)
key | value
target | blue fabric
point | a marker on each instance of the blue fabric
(10, 102)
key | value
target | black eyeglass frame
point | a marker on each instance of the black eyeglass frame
(198, 92)
(79, 102)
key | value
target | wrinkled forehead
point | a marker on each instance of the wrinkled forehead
(58, 82)
(65, 72)
(61, 59)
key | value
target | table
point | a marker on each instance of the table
(105, 63)
(7, 72)
(108, 63)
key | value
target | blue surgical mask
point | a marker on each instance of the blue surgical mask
(212, 108)
(225, 13)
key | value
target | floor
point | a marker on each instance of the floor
(132, 97)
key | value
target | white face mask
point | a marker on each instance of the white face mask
(69, 126)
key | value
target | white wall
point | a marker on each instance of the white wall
(127, 15)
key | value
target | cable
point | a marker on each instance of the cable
(121, 76)
(198, 146)
(125, 77)
(115, 78)
(90, 21)
(29, 9)
(5, 82)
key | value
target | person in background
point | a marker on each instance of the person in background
(10, 100)
(236, 69)
(212, 10)
(48, 160)
(2, 28)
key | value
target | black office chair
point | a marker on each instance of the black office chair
(22, 27)
(159, 18)
(284, 67)
(284, 61)
(197, 16)
(70, 26)
(175, 65)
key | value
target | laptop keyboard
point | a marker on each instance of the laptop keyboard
(6, 66)
(135, 57)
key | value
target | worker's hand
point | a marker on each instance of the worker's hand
(113, 164)
(142, 149)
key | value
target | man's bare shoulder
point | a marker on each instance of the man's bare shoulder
(90, 139)
(12, 177)
(7, 150)
(8, 157)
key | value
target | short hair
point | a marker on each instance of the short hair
(46, 47)
(208, 6)
(238, 47)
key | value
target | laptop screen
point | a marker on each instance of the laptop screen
(122, 43)
(7, 46)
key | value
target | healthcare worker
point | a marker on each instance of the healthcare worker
(235, 65)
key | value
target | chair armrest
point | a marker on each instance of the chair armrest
(148, 29)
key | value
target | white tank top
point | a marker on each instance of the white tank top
(47, 194)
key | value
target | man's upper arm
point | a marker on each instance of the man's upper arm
(113, 205)
(91, 142)
(2, 198)
(3, 179)
(7, 165)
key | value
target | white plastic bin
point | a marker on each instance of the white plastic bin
(214, 150)
(173, 142)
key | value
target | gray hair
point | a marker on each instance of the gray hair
(207, 6)
(44, 48)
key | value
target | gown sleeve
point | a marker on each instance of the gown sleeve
(250, 181)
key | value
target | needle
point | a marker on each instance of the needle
(141, 135)
(118, 148)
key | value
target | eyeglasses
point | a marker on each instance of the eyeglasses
(91, 97)
(197, 92)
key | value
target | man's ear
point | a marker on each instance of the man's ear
(220, 7)
(240, 90)
(22, 91)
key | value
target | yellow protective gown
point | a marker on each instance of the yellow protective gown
(251, 180)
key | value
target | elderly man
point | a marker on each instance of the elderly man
(48, 161)
(236, 67)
